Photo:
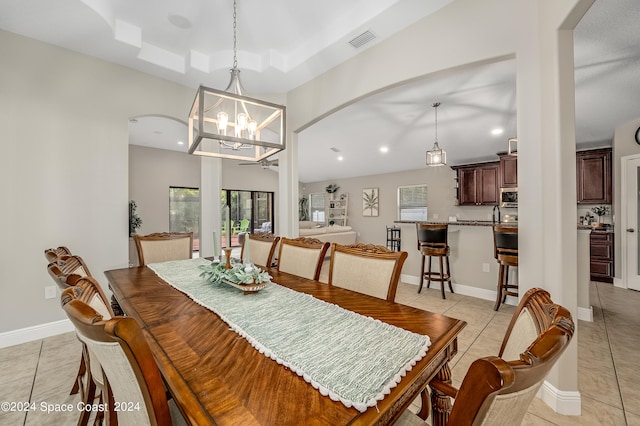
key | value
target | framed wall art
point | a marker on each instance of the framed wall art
(370, 202)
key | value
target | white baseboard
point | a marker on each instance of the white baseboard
(567, 403)
(23, 335)
(465, 290)
(617, 282)
(585, 314)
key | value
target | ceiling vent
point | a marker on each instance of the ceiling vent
(362, 39)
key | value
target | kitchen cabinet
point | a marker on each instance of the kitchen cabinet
(601, 256)
(508, 171)
(593, 176)
(478, 184)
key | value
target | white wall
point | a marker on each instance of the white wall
(151, 172)
(64, 165)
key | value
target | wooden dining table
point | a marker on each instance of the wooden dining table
(217, 377)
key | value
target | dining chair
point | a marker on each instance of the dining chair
(302, 256)
(163, 246)
(366, 268)
(127, 367)
(261, 248)
(89, 379)
(497, 390)
(53, 253)
(73, 265)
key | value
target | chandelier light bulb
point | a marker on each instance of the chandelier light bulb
(223, 121)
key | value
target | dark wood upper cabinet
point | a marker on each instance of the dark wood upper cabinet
(593, 176)
(478, 184)
(508, 171)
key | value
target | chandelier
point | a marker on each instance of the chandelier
(228, 124)
(437, 156)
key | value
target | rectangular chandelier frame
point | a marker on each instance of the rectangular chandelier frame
(238, 140)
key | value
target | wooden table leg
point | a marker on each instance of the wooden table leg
(440, 402)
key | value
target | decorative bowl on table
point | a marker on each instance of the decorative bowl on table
(246, 277)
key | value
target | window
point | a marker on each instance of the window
(184, 212)
(316, 207)
(412, 202)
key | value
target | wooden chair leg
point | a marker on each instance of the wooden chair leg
(81, 371)
(505, 283)
(441, 277)
(499, 295)
(429, 276)
(449, 275)
(421, 275)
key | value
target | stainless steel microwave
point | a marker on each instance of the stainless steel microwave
(509, 197)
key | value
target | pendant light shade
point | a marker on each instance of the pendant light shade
(436, 156)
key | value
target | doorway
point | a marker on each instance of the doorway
(630, 203)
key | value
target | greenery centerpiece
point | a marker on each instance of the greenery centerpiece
(241, 274)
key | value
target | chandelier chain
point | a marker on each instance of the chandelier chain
(235, 40)
(435, 106)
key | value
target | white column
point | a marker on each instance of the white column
(210, 187)
(287, 213)
(546, 170)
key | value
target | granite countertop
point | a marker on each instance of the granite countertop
(459, 222)
(462, 222)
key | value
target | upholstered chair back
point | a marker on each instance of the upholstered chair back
(164, 246)
(366, 268)
(262, 247)
(302, 256)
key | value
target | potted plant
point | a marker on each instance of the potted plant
(331, 190)
(134, 220)
(600, 211)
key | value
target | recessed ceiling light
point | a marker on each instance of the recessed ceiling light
(384, 149)
(133, 121)
(497, 131)
(180, 143)
(340, 158)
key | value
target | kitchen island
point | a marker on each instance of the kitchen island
(474, 269)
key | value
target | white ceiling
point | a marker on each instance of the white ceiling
(284, 43)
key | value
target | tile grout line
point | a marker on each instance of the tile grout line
(613, 361)
(33, 383)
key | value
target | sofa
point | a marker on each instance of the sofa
(333, 234)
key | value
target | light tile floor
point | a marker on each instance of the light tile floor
(41, 372)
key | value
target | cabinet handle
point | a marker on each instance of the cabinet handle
(630, 230)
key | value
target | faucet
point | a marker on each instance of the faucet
(494, 214)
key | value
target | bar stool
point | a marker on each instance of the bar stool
(432, 242)
(393, 238)
(505, 243)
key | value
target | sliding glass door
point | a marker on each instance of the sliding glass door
(245, 212)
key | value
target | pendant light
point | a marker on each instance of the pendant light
(437, 156)
(229, 124)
